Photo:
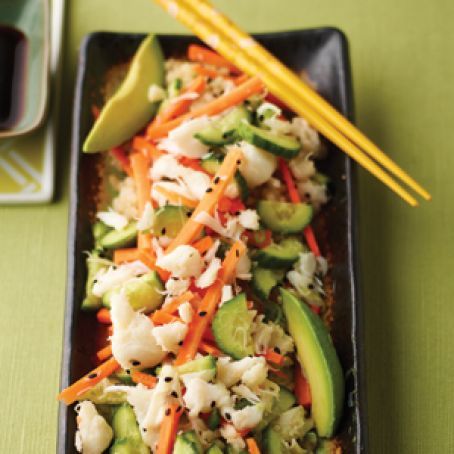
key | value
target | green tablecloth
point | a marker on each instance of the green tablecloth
(403, 74)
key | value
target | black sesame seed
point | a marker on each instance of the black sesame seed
(180, 343)
(237, 213)
(144, 429)
(277, 350)
(209, 190)
(174, 394)
(168, 379)
(310, 286)
(238, 161)
(175, 278)
(261, 117)
(213, 404)
(93, 375)
(128, 371)
(202, 313)
(163, 231)
(237, 252)
(227, 416)
(225, 135)
(216, 180)
(307, 195)
(210, 79)
(95, 281)
(134, 362)
(179, 408)
(168, 412)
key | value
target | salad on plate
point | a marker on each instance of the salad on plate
(205, 271)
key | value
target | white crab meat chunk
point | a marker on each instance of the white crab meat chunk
(183, 262)
(245, 418)
(232, 437)
(94, 434)
(209, 276)
(181, 141)
(133, 343)
(169, 336)
(250, 371)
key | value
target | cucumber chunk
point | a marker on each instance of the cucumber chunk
(284, 217)
(214, 449)
(126, 446)
(224, 130)
(264, 280)
(232, 328)
(207, 365)
(94, 263)
(169, 220)
(126, 431)
(279, 255)
(143, 293)
(187, 443)
(119, 238)
(99, 230)
(211, 164)
(278, 144)
(272, 442)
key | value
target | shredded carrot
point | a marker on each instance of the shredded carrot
(122, 158)
(311, 241)
(73, 392)
(176, 198)
(125, 255)
(205, 312)
(204, 244)
(252, 446)
(227, 100)
(204, 71)
(204, 55)
(162, 318)
(176, 302)
(146, 256)
(103, 316)
(288, 180)
(169, 428)
(274, 357)
(180, 106)
(104, 353)
(148, 149)
(192, 229)
(206, 347)
(145, 379)
(240, 79)
(302, 389)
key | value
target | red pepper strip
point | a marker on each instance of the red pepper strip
(302, 389)
(120, 155)
(103, 316)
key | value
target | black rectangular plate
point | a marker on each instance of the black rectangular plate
(323, 54)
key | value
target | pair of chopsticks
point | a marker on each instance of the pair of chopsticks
(218, 32)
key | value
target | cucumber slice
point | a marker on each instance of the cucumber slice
(224, 130)
(278, 144)
(211, 164)
(207, 364)
(214, 449)
(144, 293)
(124, 377)
(187, 443)
(264, 280)
(272, 442)
(231, 450)
(94, 263)
(284, 217)
(120, 238)
(127, 446)
(124, 424)
(279, 255)
(99, 230)
(232, 328)
(169, 220)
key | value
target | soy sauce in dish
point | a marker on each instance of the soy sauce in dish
(13, 54)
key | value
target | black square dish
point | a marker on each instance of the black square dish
(323, 54)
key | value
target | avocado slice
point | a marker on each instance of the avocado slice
(319, 359)
(128, 110)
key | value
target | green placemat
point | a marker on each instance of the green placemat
(403, 71)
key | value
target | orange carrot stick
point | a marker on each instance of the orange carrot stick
(204, 55)
(302, 389)
(176, 198)
(205, 312)
(180, 106)
(192, 229)
(162, 318)
(176, 302)
(103, 316)
(104, 353)
(274, 357)
(73, 392)
(204, 244)
(148, 149)
(145, 379)
(169, 428)
(122, 159)
(125, 255)
(252, 446)
(206, 347)
(238, 95)
(192, 163)
(240, 79)
(311, 241)
(204, 71)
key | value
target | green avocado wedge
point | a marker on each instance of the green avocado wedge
(128, 110)
(319, 359)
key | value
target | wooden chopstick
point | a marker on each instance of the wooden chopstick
(264, 58)
(206, 31)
